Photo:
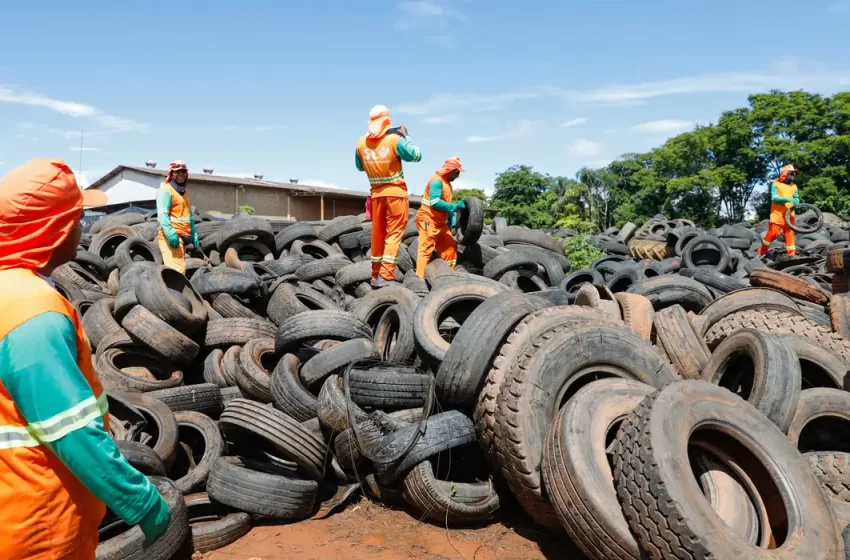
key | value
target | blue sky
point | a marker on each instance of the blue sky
(284, 88)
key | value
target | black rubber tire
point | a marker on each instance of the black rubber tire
(234, 283)
(98, 322)
(249, 228)
(131, 274)
(525, 260)
(110, 365)
(261, 493)
(230, 393)
(217, 526)
(224, 333)
(389, 388)
(156, 290)
(159, 336)
(298, 230)
(287, 265)
(124, 302)
(715, 279)
(477, 343)
(394, 337)
(430, 345)
(134, 250)
(213, 373)
(716, 244)
(448, 503)
(682, 344)
(624, 279)
(574, 281)
(333, 360)
(285, 303)
(575, 469)
(770, 377)
(288, 393)
(131, 544)
(354, 273)
(795, 227)
(79, 276)
(318, 325)
(198, 430)
(833, 472)
(256, 362)
(104, 243)
(321, 268)
(470, 221)
(665, 291)
(141, 457)
(283, 434)
(559, 364)
(443, 432)
(820, 366)
(743, 300)
(204, 398)
(514, 234)
(228, 307)
(654, 480)
(339, 226)
(821, 420)
(160, 421)
(93, 263)
(230, 365)
(371, 307)
(316, 249)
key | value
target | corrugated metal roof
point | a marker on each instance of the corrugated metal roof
(291, 189)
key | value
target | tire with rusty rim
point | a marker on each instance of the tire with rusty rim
(666, 511)
(637, 312)
(789, 284)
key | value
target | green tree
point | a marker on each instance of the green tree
(523, 197)
(460, 194)
(580, 252)
(247, 208)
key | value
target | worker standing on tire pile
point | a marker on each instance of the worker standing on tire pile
(783, 195)
(437, 215)
(174, 213)
(59, 468)
(379, 153)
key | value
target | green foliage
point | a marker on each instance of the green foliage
(247, 208)
(460, 194)
(580, 252)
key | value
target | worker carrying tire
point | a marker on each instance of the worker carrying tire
(783, 195)
(59, 468)
(437, 215)
(174, 213)
(379, 153)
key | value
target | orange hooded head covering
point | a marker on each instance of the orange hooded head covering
(40, 204)
(786, 169)
(451, 164)
(379, 121)
(175, 166)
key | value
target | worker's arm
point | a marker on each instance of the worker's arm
(407, 150)
(435, 193)
(163, 211)
(774, 196)
(38, 366)
(357, 162)
(195, 241)
(796, 200)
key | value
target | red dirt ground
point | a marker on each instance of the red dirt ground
(365, 530)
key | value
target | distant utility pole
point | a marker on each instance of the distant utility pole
(80, 167)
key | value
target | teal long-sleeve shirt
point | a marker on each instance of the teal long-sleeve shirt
(38, 366)
(163, 214)
(435, 194)
(775, 198)
(405, 149)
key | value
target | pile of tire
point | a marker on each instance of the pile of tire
(672, 408)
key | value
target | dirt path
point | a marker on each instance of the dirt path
(366, 531)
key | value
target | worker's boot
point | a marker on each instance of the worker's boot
(381, 283)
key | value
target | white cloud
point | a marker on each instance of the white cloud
(839, 6)
(264, 128)
(85, 149)
(574, 122)
(27, 137)
(521, 130)
(664, 126)
(72, 109)
(474, 102)
(438, 119)
(582, 148)
(319, 183)
(425, 13)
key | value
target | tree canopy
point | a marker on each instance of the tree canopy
(708, 175)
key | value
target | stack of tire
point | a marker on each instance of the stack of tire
(649, 408)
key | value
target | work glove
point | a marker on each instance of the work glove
(453, 219)
(195, 241)
(156, 521)
(173, 240)
(461, 205)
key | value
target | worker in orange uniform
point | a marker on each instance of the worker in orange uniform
(783, 195)
(379, 153)
(174, 214)
(59, 468)
(436, 215)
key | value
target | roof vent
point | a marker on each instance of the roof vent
(151, 163)
(208, 170)
(293, 180)
(258, 176)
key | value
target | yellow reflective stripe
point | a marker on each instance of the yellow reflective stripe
(790, 247)
(16, 436)
(181, 220)
(389, 259)
(375, 259)
(765, 243)
(54, 428)
(380, 180)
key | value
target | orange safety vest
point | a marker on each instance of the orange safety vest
(180, 212)
(437, 217)
(380, 160)
(46, 512)
(777, 210)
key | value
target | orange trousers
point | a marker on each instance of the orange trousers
(389, 220)
(431, 238)
(772, 233)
